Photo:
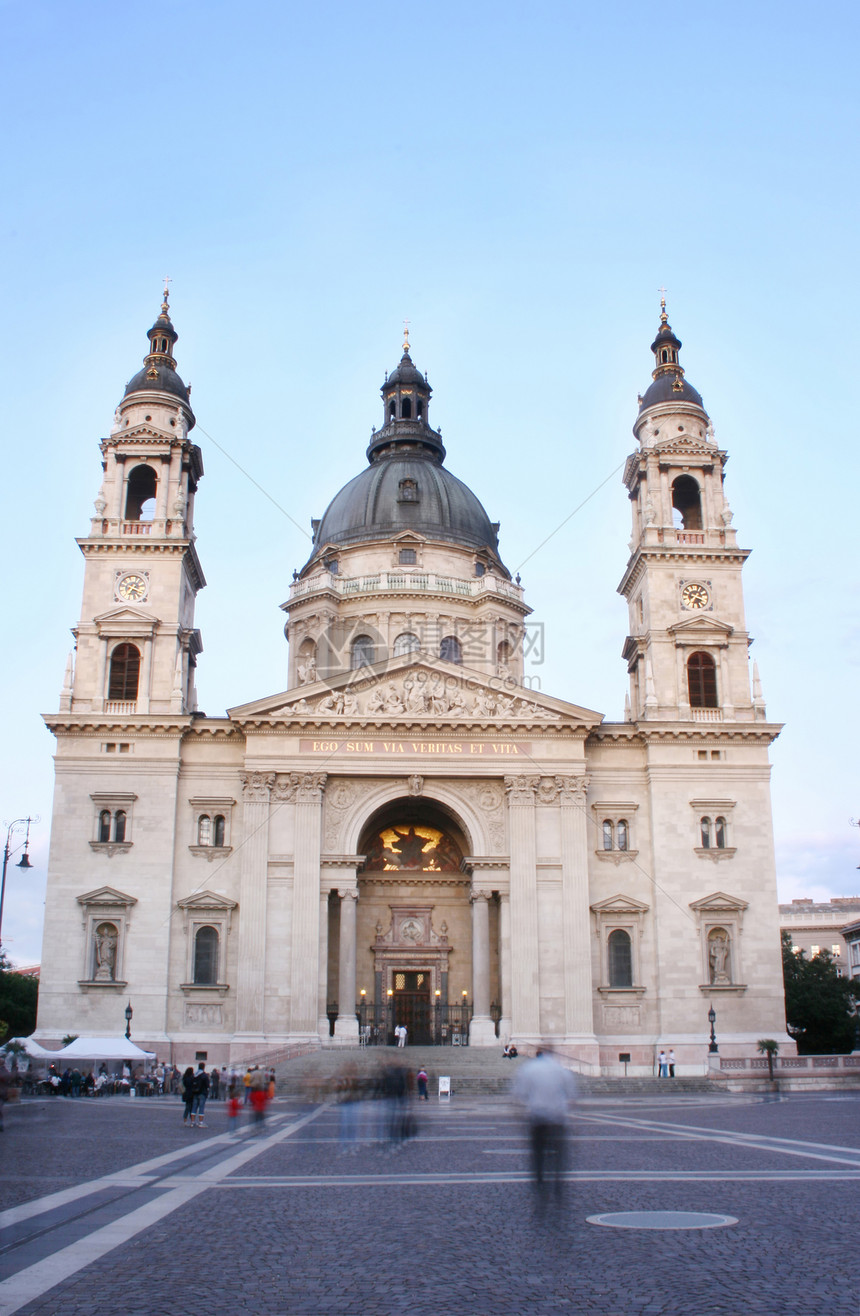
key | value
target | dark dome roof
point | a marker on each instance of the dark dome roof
(164, 380)
(372, 506)
(663, 390)
(405, 373)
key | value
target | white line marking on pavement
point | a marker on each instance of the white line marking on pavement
(31, 1282)
(750, 1141)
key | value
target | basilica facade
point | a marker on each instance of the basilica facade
(409, 834)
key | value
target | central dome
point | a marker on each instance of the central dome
(406, 486)
(407, 490)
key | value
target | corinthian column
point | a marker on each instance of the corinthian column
(576, 923)
(251, 971)
(525, 975)
(346, 1024)
(308, 787)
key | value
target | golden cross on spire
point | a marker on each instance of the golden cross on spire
(406, 336)
(167, 283)
(662, 292)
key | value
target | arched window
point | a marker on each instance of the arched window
(705, 825)
(503, 653)
(391, 409)
(687, 500)
(702, 680)
(219, 829)
(124, 672)
(104, 825)
(720, 833)
(361, 653)
(608, 837)
(621, 834)
(406, 643)
(406, 409)
(206, 955)
(140, 494)
(450, 649)
(119, 822)
(620, 959)
(204, 829)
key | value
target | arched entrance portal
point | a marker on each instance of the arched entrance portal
(414, 926)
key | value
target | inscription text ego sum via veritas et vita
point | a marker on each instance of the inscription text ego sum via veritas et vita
(464, 748)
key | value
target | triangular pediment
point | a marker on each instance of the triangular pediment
(207, 900)
(619, 904)
(412, 688)
(719, 903)
(106, 895)
(124, 612)
(693, 627)
(687, 445)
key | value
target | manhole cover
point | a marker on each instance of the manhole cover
(662, 1220)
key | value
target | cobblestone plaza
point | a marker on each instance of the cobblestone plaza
(112, 1205)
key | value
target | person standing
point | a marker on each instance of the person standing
(401, 1034)
(546, 1090)
(662, 1071)
(201, 1092)
(671, 1062)
(188, 1095)
(422, 1080)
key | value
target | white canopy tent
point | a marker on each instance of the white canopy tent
(32, 1048)
(102, 1048)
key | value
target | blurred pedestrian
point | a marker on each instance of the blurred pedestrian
(234, 1110)
(546, 1091)
(214, 1083)
(188, 1095)
(662, 1070)
(201, 1092)
(671, 1062)
(259, 1099)
(422, 1079)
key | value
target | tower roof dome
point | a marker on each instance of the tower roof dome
(158, 374)
(406, 486)
(669, 384)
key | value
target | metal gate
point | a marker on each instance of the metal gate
(429, 1023)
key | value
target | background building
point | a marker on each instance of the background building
(817, 925)
(408, 833)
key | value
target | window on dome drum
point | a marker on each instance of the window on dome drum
(406, 409)
(361, 653)
(450, 649)
(407, 491)
(687, 501)
(206, 941)
(140, 494)
(333, 566)
(418, 408)
(480, 569)
(620, 959)
(406, 643)
(702, 680)
(124, 672)
(391, 409)
(408, 557)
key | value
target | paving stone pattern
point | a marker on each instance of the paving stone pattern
(449, 1223)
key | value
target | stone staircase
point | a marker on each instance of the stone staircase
(473, 1071)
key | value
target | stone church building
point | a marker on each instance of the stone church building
(409, 833)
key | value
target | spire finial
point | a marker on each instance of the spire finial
(664, 319)
(165, 309)
(406, 337)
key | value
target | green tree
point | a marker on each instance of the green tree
(819, 1005)
(19, 995)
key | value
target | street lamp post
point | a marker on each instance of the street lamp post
(23, 862)
(128, 1014)
(713, 1049)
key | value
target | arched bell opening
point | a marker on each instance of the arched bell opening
(414, 932)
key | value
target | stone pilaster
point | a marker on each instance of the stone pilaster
(346, 1024)
(322, 987)
(505, 964)
(576, 923)
(250, 978)
(525, 977)
(308, 790)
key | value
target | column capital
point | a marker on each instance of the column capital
(521, 789)
(303, 787)
(257, 786)
(479, 895)
(348, 892)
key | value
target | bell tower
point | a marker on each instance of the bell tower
(136, 645)
(687, 647)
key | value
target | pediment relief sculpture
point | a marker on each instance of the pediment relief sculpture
(418, 693)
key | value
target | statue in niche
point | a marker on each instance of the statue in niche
(308, 671)
(106, 944)
(718, 958)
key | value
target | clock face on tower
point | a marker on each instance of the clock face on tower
(695, 596)
(132, 588)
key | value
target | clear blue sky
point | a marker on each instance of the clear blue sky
(518, 180)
